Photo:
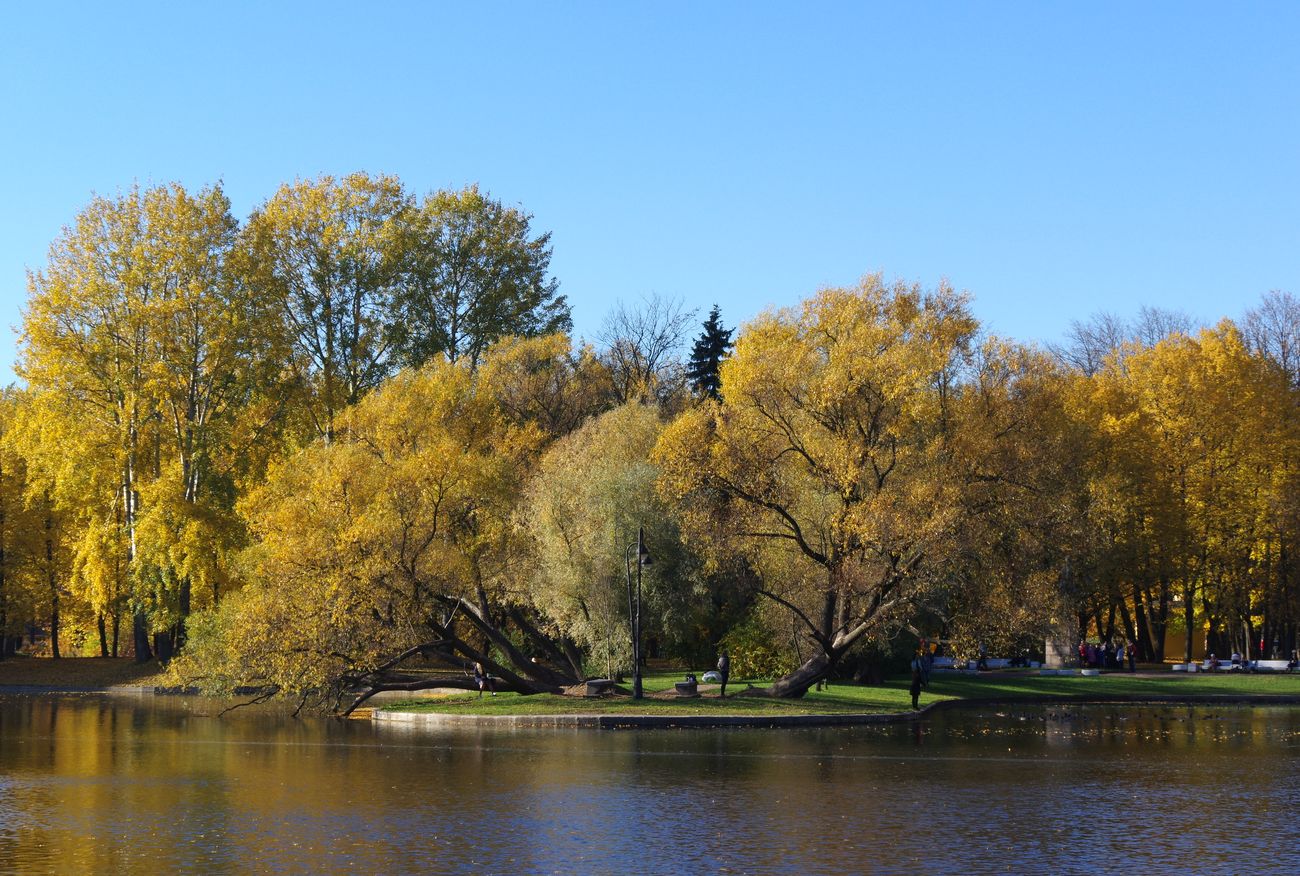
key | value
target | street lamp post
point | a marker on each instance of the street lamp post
(634, 605)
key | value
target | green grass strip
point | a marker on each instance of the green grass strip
(891, 697)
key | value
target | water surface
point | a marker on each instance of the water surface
(97, 784)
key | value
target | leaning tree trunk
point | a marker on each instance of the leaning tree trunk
(795, 684)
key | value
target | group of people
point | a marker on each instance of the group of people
(1107, 655)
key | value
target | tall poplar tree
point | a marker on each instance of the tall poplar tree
(133, 346)
(473, 274)
(328, 252)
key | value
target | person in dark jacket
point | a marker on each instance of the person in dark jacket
(483, 680)
(724, 672)
(917, 670)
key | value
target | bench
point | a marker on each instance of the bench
(1204, 666)
(992, 663)
(687, 689)
(597, 687)
(1247, 665)
(1269, 665)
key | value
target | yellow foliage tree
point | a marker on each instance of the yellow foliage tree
(142, 351)
(393, 542)
(833, 449)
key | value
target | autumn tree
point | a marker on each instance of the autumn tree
(472, 274)
(831, 451)
(25, 593)
(1195, 455)
(329, 254)
(1021, 459)
(545, 383)
(391, 544)
(141, 350)
(592, 491)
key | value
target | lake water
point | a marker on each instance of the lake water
(97, 784)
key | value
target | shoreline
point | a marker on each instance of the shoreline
(615, 721)
(593, 721)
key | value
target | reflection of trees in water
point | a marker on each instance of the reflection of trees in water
(105, 785)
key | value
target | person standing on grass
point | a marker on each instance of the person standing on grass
(724, 672)
(918, 663)
(1132, 652)
(483, 680)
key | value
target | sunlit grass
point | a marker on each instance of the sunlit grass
(891, 697)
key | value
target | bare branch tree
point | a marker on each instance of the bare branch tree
(1154, 324)
(643, 347)
(1087, 344)
(1273, 329)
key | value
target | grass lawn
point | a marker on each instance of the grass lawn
(857, 699)
(77, 672)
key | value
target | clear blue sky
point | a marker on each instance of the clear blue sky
(1054, 159)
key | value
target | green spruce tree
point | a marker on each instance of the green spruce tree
(711, 347)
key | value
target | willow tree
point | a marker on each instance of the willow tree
(544, 383)
(592, 490)
(833, 450)
(390, 545)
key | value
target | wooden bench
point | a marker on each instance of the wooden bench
(597, 687)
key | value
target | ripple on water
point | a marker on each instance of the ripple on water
(111, 785)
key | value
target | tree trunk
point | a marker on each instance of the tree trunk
(54, 625)
(53, 582)
(794, 685)
(541, 677)
(184, 612)
(117, 623)
(1144, 645)
(103, 635)
(140, 636)
(1126, 618)
(1189, 615)
(1161, 625)
(162, 646)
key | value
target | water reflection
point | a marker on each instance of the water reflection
(96, 784)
